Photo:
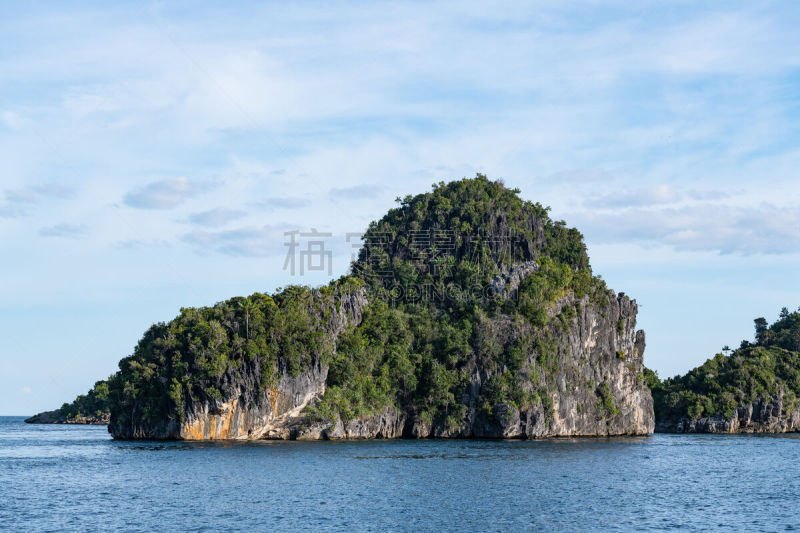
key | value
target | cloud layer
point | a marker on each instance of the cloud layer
(763, 229)
(216, 217)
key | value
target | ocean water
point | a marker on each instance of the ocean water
(75, 478)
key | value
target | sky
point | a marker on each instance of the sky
(153, 156)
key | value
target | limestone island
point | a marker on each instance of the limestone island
(469, 313)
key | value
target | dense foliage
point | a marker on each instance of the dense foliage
(784, 333)
(94, 403)
(759, 370)
(203, 350)
(463, 232)
(419, 353)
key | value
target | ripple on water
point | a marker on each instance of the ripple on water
(76, 478)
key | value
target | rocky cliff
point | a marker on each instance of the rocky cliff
(770, 415)
(589, 383)
(596, 389)
(246, 404)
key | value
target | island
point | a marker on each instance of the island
(90, 408)
(468, 313)
(752, 389)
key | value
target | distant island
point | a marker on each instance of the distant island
(754, 389)
(468, 313)
(93, 407)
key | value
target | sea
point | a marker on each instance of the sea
(76, 478)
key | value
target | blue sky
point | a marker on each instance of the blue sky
(154, 155)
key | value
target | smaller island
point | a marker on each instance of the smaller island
(90, 408)
(752, 389)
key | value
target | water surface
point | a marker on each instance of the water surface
(63, 478)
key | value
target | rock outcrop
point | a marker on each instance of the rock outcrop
(57, 417)
(597, 390)
(768, 415)
(600, 350)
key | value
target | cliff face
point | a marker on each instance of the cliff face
(598, 389)
(768, 415)
(241, 414)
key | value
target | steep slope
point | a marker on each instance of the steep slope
(755, 389)
(469, 313)
(581, 375)
(498, 328)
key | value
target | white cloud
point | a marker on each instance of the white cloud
(286, 202)
(12, 120)
(216, 217)
(164, 194)
(139, 244)
(64, 230)
(356, 192)
(657, 194)
(21, 202)
(725, 229)
(249, 241)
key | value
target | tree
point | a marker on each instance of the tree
(246, 307)
(761, 328)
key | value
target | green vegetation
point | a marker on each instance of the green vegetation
(784, 333)
(94, 403)
(416, 353)
(759, 370)
(606, 400)
(419, 355)
(205, 350)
